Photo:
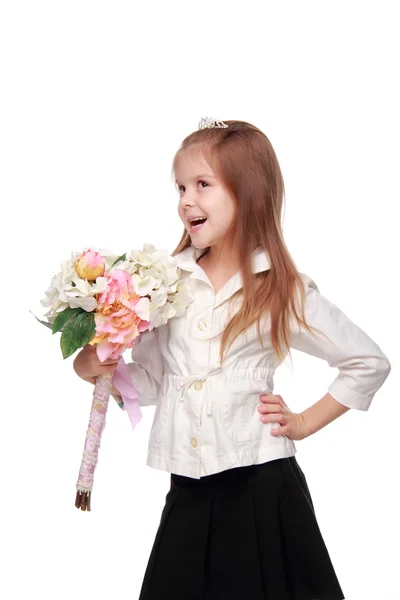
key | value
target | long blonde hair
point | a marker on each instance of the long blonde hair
(244, 160)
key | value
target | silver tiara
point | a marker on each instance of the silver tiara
(209, 123)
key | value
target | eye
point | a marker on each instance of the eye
(181, 188)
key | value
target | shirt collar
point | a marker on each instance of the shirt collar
(186, 260)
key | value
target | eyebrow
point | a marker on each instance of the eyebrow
(207, 175)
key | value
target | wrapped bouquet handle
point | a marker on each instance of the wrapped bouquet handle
(97, 422)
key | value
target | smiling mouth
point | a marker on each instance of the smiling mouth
(196, 225)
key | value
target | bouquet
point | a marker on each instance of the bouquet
(106, 300)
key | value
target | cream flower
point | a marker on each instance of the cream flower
(143, 286)
(161, 315)
(181, 298)
(82, 293)
(159, 298)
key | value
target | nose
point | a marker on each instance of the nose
(187, 199)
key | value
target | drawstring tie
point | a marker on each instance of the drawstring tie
(186, 381)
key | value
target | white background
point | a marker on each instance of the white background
(96, 98)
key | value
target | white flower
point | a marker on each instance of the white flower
(144, 286)
(162, 270)
(68, 289)
(51, 295)
(149, 271)
(53, 299)
(182, 297)
(158, 298)
(142, 309)
(138, 257)
(161, 315)
(109, 258)
(149, 248)
(171, 274)
(125, 265)
(88, 303)
(82, 293)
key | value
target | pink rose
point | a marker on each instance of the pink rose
(90, 265)
(117, 324)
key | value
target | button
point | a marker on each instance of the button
(198, 385)
(194, 443)
(203, 325)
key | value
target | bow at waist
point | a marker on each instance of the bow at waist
(185, 381)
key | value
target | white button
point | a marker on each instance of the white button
(203, 325)
(194, 443)
(198, 385)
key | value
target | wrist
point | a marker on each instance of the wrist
(322, 413)
(305, 426)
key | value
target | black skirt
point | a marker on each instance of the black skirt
(247, 533)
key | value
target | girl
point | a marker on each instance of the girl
(239, 521)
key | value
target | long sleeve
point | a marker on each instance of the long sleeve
(147, 369)
(362, 365)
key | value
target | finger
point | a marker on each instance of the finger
(89, 348)
(273, 418)
(281, 401)
(275, 431)
(268, 408)
(280, 431)
(106, 369)
(268, 398)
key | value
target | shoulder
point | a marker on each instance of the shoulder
(310, 294)
(309, 284)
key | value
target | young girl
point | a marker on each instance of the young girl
(239, 521)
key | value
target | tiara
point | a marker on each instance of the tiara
(209, 123)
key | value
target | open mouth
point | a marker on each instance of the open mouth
(196, 224)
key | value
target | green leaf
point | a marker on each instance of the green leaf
(65, 316)
(78, 332)
(49, 325)
(122, 258)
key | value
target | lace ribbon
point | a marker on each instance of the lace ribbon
(94, 432)
(97, 421)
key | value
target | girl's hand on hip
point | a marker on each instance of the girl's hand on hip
(274, 409)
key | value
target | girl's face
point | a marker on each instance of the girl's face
(202, 194)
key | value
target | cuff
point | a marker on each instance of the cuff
(348, 397)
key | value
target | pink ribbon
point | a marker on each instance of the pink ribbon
(123, 383)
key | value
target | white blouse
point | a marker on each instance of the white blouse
(206, 418)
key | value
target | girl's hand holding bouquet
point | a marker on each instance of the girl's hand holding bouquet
(88, 365)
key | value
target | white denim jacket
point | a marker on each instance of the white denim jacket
(206, 418)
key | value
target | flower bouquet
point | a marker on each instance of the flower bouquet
(103, 299)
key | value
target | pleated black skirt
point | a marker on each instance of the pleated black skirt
(247, 533)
